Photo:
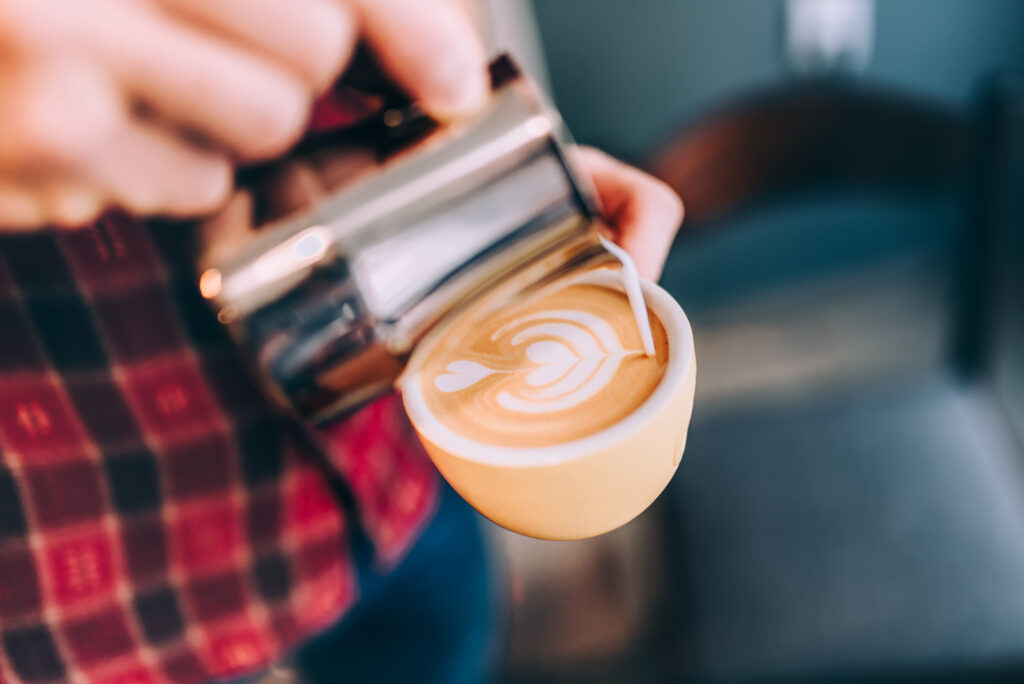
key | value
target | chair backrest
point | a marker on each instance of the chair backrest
(810, 137)
(813, 136)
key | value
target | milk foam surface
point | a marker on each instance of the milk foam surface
(548, 370)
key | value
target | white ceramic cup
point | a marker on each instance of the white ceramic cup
(583, 487)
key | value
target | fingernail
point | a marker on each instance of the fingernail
(461, 86)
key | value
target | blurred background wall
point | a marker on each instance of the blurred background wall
(625, 74)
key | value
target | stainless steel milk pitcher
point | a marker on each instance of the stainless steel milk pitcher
(328, 300)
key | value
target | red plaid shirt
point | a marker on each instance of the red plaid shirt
(159, 520)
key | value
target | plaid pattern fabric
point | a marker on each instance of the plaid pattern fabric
(159, 521)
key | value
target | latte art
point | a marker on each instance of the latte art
(556, 368)
(572, 356)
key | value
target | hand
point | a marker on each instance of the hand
(643, 212)
(147, 104)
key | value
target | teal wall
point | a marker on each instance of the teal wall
(626, 72)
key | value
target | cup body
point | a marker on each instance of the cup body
(584, 487)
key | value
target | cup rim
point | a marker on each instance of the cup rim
(680, 360)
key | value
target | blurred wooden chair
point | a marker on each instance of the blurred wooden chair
(874, 532)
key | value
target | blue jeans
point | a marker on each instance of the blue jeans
(434, 618)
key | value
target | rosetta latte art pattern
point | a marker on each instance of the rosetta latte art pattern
(573, 356)
(545, 371)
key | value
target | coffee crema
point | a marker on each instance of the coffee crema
(557, 367)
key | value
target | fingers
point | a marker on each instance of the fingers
(314, 37)
(243, 72)
(111, 155)
(430, 49)
(143, 169)
(41, 146)
(644, 212)
(243, 102)
(55, 114)
(237, 90)
(148, 169)
(103, 102)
